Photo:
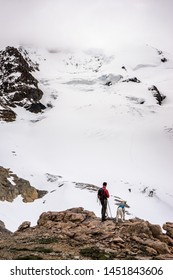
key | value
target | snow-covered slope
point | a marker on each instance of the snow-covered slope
(99, 125)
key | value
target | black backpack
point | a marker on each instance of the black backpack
(101, 195)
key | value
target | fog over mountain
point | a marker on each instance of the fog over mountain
(86, 24)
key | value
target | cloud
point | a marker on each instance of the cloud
(87, 23)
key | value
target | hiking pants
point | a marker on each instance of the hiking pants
(104, 208)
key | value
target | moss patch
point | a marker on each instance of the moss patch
(47, 240)
(29, 257)
(95, 253)
(36, 249)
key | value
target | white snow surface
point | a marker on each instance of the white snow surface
(95, 133)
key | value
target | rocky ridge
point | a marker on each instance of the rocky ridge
(11, 186)
(78, 234)
(18, 87)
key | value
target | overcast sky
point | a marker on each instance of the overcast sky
(87, 23)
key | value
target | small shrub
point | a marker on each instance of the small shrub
(47, 240)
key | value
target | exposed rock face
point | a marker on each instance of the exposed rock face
(156, 93)
(17, 85)
(134, 80)
(3, 230)
(169, 228)
(24, 226)
(11, 186)
(163, 59)
(6, 114)
(79, 234)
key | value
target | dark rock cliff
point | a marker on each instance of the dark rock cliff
(18, 87)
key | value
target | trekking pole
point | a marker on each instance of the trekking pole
(109, 209)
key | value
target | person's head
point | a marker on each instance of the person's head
(104, 184)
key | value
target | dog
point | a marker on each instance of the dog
(121, 212)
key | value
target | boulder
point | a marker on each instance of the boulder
(24, 226)
(169, 229)
(138, 228)
(36, 107)
(166, 239)
(28, 192)
(117, 240)
(53, 216)
(159, 246)
(151, 251)
(74, 217)
(155, 229)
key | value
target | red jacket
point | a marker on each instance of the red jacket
(106, 193)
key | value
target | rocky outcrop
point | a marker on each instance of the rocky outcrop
(78, 234)
(3, 230)
(6, 114)
(156, 93)
(24, 225)
(169, 228)
(134, 80)
(163, 58)
(11, 186)
(18, 87)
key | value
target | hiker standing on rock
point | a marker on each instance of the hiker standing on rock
(103, 195)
